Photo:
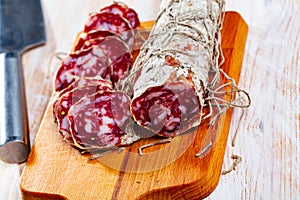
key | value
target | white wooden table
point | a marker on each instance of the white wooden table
(269, 133)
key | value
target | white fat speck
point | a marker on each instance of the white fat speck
(169, 125)
(125, 35)
(105, 26)
(107, 120)
(168, 111)
(104, 129)
(103, 111)
(99, 52)
(124, 99)
(182, 109)
(174, 98)
(88, 128)
(91, 62)
(64, 103)
(69, 77)
(81, 82)
(88, 113)
(161, 117)
(153, 95)
(65, 123)
(138, 105)
(113, 28)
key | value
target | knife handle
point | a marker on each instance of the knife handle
(14, 136)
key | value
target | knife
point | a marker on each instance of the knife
(21, 28)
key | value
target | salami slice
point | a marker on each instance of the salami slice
(69, 98)
(123, 10)
(119, 55)
(99, 120)
(92, 62)
(82, 37)
(111, 22)
(80, 82)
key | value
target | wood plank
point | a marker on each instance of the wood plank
(56, 170)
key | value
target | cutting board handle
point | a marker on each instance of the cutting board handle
(14, 138)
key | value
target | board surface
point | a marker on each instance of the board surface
(55, 170)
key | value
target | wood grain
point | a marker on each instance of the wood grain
(54, 168)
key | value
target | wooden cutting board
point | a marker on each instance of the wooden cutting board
(55, 170)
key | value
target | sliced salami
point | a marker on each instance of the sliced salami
(83, 36)
(111, 22)
(70, 98)
(92, 62)
(119, 55)
(123, 10)
(80, 82)
(99, 120)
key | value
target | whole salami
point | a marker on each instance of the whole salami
(171, 74)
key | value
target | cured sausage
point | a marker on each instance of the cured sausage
(99, 120)
(114, 23)
(167, 110)
(79, 82)
(119, 55)
(106, 57)
(83, 36)
(92, 62)
(69, 98)
(171, 74)
(124, 11)
(88, 112)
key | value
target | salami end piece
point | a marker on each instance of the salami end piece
(99, 120)
(167, 110)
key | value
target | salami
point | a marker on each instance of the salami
(124, 11)
(118, 53)
(173, 79)
(69, 98)
(83, 36)
(167, 110)
(92, 62)
(79, 82)
(111, 22)
(98, 121)
(171, 74)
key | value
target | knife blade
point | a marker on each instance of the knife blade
(21, 28)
